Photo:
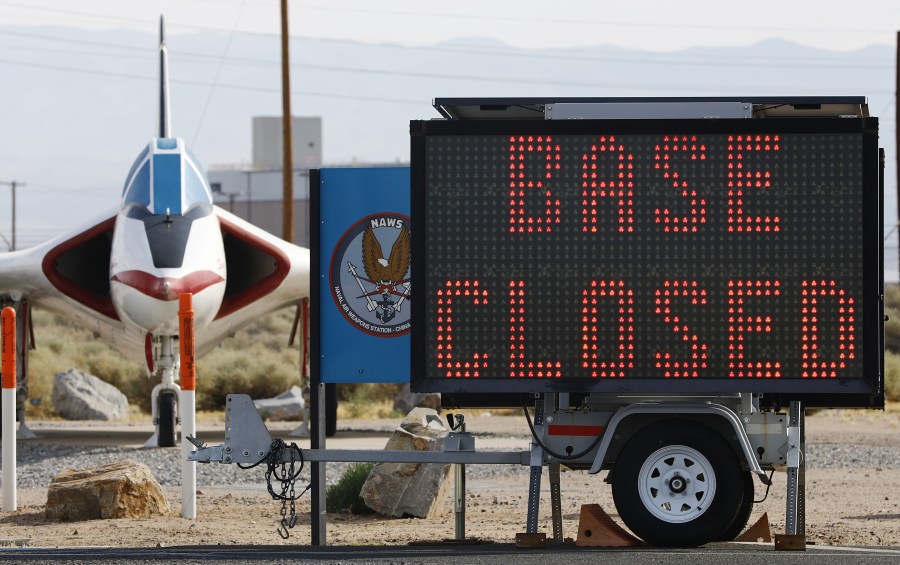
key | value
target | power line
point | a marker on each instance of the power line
(505, 18)
(802, 62)
(216, 78)
(477, 78)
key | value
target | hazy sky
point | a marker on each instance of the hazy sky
(651, 25)
(654, 25)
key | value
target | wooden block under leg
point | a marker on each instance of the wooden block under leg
(760, 531)
(531, 540)
(597, 529)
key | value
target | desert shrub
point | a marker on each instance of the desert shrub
(109, 366)
(367, 400)
(892, 329)
(892, 295)
(256, 371)
(892, 376)
(344, 494)
(256, 361)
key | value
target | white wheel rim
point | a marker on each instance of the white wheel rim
(677, 484)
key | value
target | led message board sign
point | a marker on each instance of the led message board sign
(696, 256)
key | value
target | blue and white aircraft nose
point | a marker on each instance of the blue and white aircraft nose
(166, 222)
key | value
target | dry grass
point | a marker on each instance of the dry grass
(257, 361)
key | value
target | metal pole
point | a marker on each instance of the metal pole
(13, 185)
(795, 519)
(556, 501)
(897, 128)
(459, 488)
(13, 215)
(319, 516)
(537, 462)
(287, 219)
(249, 199)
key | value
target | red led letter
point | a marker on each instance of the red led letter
(618, 186)
(591, 336)
(814, 294)
(518, 365)
(741, 323)
(740, 180)
(526, 184)
(447, 363)
(674, 146)
(686, 368)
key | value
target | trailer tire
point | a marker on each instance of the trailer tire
(743, 514)
(167, 420)
(678, 484)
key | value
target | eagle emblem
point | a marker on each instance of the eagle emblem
(384, 282)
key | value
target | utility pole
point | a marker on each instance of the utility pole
(13, 185)
(287, 218)
(897, 128)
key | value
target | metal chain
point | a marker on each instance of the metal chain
(287, 477)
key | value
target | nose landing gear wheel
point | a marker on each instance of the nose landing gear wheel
(167, 420)
(678, 484)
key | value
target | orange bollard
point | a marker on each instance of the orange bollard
(8, 367)
(8, 347)
(187, 403)
(186, 323)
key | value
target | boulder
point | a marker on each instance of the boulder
(406, 400)
(288, 405)
(410, 489)
(80, 396)
(126, 489)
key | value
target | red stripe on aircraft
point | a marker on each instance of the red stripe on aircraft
(167, 288)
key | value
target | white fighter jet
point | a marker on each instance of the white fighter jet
(120, 274)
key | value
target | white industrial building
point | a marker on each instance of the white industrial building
(255, 193)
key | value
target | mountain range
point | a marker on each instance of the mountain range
(78, 105)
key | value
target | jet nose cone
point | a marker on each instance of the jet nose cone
(165, 288)
(151, 303)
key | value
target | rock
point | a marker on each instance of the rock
(406, 400)
(80, 396)
(286, 406)
(410, 489)
(126, 489)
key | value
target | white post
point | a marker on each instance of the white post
(8, 366)
(9, 450)
(188, 468)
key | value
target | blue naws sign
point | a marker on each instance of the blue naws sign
(362, 284)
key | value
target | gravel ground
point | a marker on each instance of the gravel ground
(853, 478)
(39, 463)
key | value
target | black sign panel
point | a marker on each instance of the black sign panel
(648, 256)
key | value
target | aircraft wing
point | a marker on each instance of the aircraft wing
(264, 273)
(69, 275)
